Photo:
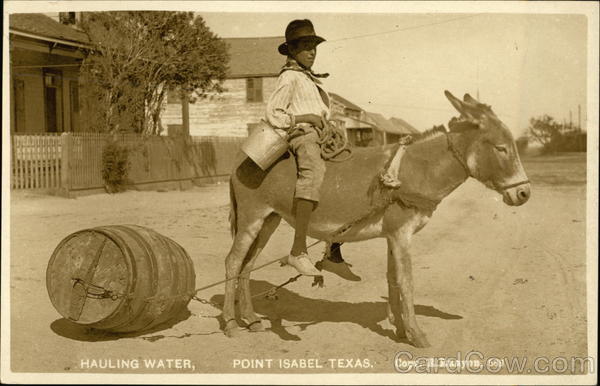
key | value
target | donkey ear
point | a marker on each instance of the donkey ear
(457, 103)
(465, 109)
(470, 100)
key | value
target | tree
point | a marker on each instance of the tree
(139, 56)
(545, 130)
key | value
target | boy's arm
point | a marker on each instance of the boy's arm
(278, 114)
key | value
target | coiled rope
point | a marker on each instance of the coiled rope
(333, 142)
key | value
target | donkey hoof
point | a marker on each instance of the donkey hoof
(256, 326)
(419, 341)
(232, 329)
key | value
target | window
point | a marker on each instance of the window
(19, 105)
(173, 96)
(254, 90)
(67, 17)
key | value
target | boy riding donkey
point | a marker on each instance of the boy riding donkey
(300, 106)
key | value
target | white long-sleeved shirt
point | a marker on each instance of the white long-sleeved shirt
(296, 93)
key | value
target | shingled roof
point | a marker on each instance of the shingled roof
(345, 102)
(392, 125)
(404, 126)
(382, 124)
(254, 57)
(45, 26)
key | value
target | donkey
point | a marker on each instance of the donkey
(476, 145)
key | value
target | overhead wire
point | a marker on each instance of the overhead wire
(404, 29)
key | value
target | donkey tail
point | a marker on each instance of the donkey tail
(232, 210)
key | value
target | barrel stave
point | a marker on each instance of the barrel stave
(151, 277)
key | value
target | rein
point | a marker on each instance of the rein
(457, 155)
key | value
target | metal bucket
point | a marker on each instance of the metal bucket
(265, 145)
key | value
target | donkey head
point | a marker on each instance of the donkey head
(488, 149)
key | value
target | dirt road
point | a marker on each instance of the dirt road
(501, 280)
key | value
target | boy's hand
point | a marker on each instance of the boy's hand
(314, 119)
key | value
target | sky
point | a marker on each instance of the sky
(525, 59)
(399, 64)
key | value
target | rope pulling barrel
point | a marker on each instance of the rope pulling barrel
(270, 293)
(334, 143)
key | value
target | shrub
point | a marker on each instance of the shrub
(115, 162)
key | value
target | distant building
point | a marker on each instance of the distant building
(359, 131)
(403, 126)
(367, 129)
(253, 70)
(45, 57)
(389, 130)
(46, 51)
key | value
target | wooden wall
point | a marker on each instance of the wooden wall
(34, 121)
(225, 114)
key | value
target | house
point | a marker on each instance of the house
(385, 130)
(253, 70)
(367, 128)
(403, 126)
(359, 131)
(45, 57)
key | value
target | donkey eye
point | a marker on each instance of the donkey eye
(501, 148)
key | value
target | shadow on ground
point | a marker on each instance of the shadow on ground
(293, 307)
(71, 330)
(289, 306)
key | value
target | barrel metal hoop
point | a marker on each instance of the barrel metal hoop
(127, 229)
(115, 237)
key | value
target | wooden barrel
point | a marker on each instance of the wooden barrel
(120, 278)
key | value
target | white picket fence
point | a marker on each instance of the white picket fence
(36, 161)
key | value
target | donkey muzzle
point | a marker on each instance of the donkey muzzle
(517, 194)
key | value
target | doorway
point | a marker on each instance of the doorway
(53, 100)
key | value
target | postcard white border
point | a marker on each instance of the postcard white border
(589, 9)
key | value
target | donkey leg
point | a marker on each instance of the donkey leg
(245, 296)
(400, 288)
(242, 243)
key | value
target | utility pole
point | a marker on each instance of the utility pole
(570, 119)
(478, 78)
(579, 117)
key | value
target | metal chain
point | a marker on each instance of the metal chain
(104, 294)
(271, 293)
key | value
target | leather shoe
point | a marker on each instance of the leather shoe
(341, 269)
(302, 265)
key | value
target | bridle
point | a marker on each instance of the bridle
(460, 158)
(457, 155)
(505, 187)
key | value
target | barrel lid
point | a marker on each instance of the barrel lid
(88, 276)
